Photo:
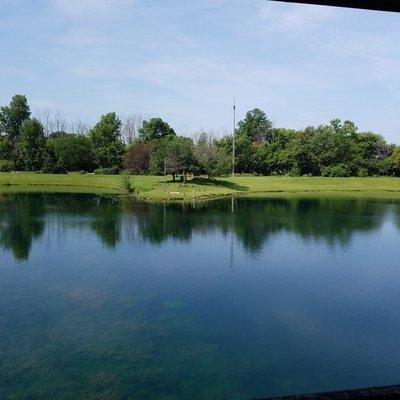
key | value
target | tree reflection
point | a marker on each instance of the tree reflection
(255, 220)
(252, 221)
(21, 221)
(106, 223)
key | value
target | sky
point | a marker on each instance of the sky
(185, 61)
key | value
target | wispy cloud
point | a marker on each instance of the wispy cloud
(376, 56)
(185, 61)
(294, 18)
(205, 74)
(91, 10)
(87, 22)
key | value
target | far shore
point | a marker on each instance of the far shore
(158, 188)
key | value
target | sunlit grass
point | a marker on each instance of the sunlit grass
(159, 188)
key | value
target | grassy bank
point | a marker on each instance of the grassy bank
(154, 187)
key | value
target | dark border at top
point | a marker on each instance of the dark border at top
(382, 5)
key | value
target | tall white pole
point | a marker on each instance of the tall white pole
(233, 138)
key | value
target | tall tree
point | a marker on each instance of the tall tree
(158, 151)
(11, 119)
(155, 128)
(256, 126)
(179, 156)
(105, 137)
(31, 145)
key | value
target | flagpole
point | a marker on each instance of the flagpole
(233, 139)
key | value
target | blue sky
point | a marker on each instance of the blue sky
(185, 61)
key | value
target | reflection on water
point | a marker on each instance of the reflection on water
(234, 299)
(23, 218)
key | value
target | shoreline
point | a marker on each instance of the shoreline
(156, 189)
(61, 189)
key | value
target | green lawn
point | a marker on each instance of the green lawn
(154, 188)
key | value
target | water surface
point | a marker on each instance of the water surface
(106, 299)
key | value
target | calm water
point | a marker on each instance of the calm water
(118, 300)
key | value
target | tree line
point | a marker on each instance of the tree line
(153, 147)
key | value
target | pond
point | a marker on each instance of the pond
(232, 299)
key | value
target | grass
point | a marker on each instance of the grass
(154, 187)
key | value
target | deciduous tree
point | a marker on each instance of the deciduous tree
(179, 156)
(137, 158)
(256, 126)
(69, 152)
(155, 128)
(108, 148)
(11, 119)
(30, 147)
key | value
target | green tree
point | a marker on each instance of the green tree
(179, 156)
(260, 160)
(300, 153)
(395, 161)
(5, 150)
(211, 159)
(105, 137)
(155, 128)
(371, 154)
(69, 152)
(11, 119)
(279, 158)
(244, 154)
(158, 151)
(256, 126)
(31, 145)
(332, 145)
(202, 152)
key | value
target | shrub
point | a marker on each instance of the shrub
(362, 172)
(107, 171)
(6, 166)
(338, 170)
(59, 169)
(127, 183)
(295, 171)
